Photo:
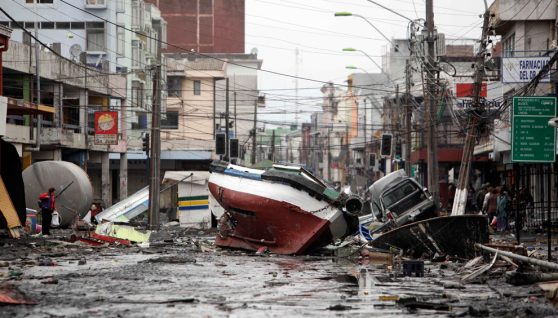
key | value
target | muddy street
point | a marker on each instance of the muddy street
(188, 276)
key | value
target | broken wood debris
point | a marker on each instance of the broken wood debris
(521, 258)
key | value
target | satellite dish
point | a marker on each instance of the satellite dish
(254, 51)
(75, 50)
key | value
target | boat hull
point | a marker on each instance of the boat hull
(269, 214)
(447, 235)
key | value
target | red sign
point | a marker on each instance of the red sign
(106, 128)
(467, 89)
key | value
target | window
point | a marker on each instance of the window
(142, 120)
(120, 6)
(137, 94)
(47, 25)
(63, 25)
(95, 35)
(171, 120)
(95, 2)
(120, 40)
(138, 55)
(29, 25)
(39, 1)
(197, 87)
(95, 25)
(77, 25)
(95, 40)
(174, 86)
(138, 8)
(91, 117)
(508, 46)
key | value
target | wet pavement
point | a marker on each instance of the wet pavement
(185, 275)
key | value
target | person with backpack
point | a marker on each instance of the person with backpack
(47, 205)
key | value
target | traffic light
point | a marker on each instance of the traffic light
(220, 143)
(386, 145)
(372, 160)
(233, 144)
(145, 144)
(398, 153)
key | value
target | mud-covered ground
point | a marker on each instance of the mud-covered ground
(185, 275)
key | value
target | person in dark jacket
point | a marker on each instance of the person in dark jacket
(48, 205)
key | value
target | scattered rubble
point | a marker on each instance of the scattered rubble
(352, 279)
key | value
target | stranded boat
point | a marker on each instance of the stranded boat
(445, 235)
(285, 209)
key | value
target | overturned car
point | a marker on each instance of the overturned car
(397, 199)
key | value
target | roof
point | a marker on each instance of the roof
(196, 177)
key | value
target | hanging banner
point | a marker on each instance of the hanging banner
(523, 69)
(106, 128)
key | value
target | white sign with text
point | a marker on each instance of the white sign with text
(523, 69)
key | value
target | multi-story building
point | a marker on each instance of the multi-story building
(207, 51)
(197, 106)
(527, 32)
(56, 121)
(215, 26)
(112, 37)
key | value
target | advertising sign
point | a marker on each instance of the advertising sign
(464, 96)
(467, 90)
(106, 128)
(533, 140)
(523, 69)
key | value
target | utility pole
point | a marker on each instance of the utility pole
(329, 154)
(272, 146)
(348, 162)
(254, 134)
(235, 135)
(38, 79)
(227, 122)
(431, 107)
(397, 125)
(366, 156)
(408, 115)
(155, 160)
(460, 199)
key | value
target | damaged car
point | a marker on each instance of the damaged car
(398, 199)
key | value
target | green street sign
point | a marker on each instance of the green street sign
(533, 140)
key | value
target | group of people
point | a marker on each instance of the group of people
(496, 203)
(47, 205)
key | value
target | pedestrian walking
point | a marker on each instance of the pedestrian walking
(502, 206)
(480, 194)
(490, 205)
(524, 206)
(471, 204)
(47, 205)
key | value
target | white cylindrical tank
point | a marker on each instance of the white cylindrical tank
(77, 196)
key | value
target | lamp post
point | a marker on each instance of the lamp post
(350, 49)
(352, 67)
(349, 14)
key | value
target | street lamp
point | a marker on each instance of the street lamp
(350, 49)
(349, 14)
(352, 67)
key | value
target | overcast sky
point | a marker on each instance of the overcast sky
(278, 27)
